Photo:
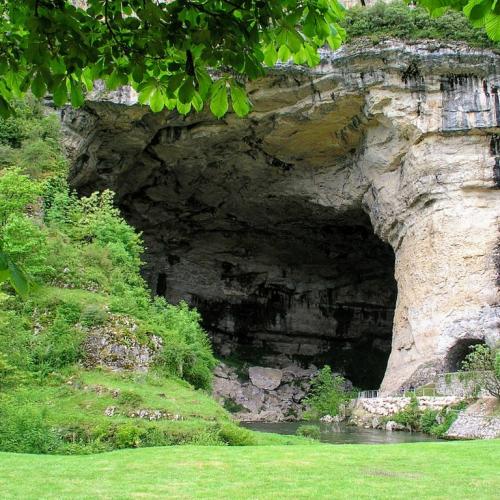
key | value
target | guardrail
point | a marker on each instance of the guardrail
(425, 391)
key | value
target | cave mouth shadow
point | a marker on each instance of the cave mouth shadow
(313, 293)
(458, 352)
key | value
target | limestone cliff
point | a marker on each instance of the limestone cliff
(353, 214)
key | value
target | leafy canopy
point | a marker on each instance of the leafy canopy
(162, 48)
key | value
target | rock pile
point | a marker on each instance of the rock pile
(267, 394)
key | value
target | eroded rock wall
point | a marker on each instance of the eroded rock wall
(288, 228)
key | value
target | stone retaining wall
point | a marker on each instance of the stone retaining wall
(390, 405)
(468, 426)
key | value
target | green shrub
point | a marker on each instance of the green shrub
(57, 346)
(17, 191)
(128, 436)
(235, 435)
(26, 243)
(428, 420)
(445, 418)
(9, 375)
(187, 352)
(409, 416)
(231, 406)
(481, 367)
(24, 429)
(309, 431)
(327, 394)
(397, 20)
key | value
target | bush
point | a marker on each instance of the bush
(309, 431)
(17, 191)
(397, 20)
(9, 375)
(187, 352)
(234, 435)
(409, 416)
(445, 418)
(57, 346)
(24, 429)
(481, 364)
(327, 394)
(26, 243)
(428, 420)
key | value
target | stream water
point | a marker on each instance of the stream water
(343, 434)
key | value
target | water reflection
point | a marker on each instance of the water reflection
(343, 434)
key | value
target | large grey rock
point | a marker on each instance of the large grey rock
(265, 378)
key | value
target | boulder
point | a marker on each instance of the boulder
(391, 425)
(265, 378)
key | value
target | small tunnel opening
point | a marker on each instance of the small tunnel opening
(457, 354)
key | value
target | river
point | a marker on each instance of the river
(342, 433)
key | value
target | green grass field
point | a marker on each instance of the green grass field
(448, 470)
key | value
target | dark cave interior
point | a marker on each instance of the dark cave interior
(314, 292)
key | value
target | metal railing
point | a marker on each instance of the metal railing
(463, 377)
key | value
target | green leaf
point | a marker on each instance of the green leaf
(18, 279)
(239, 99)
(312, 56)
(204, 81)
(218, 102)
(60, 94)
(145, 90)
(5, 108)
(284, 53)
(38, 86)
(183, 108)
(270, 55)
(157, 100)
(492, 26)
(77, 98)
(197, 102)
(88, 79)
(476, 11)
(186, 91)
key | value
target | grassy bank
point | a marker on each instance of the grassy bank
(420, 470)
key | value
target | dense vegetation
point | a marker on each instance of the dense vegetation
(165, 49)
(397, 20)
(83, 262)
(482, 365)
(327, 395)
(432, 422)
(162, 49)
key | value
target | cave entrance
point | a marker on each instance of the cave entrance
(318, 291)
(457, 354)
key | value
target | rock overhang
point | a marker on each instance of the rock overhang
(397, 137)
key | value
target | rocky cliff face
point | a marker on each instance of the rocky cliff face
(354, 214)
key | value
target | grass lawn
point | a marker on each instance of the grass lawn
(451, 470)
